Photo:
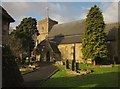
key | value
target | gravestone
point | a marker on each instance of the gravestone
(67, 64)
(73, 65)
(77, 66)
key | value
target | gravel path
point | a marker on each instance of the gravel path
(35, 79)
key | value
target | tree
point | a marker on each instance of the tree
(15, 44)
(118, 42)
(25, 34)
(94, 44)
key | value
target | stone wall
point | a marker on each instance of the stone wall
(42, 29)
(44, 26)
(67, 51)
(5, 31)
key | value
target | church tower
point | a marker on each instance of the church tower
(44, 27)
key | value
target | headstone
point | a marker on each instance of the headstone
(77, 66)
(67, 64)
(63, 63)
(73, 62)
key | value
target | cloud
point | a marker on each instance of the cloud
(24, 0)
(85, 11)
(61, 12)
(19, 10)
(60, 0)
(110, 12)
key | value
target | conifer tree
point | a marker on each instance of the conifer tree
(94, 44)
(118, 44)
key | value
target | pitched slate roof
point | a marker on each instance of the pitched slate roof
(72, 32)
(67, 39)
(5, 15)
(67, 29)
(110, 26)
(112, 31)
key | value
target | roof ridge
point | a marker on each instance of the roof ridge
(70, 22)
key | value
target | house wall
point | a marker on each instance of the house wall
(5, 31)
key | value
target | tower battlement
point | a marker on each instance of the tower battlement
(44, 27)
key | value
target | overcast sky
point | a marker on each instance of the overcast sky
(59, 11)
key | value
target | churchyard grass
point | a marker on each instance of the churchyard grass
(103, 76)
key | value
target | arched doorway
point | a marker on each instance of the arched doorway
(48, 56)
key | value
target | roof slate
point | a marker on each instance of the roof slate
(5, 15)
(72, 32)
(71, 28)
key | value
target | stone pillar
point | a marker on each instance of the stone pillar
(73, 61)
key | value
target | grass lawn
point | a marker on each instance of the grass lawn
(101, 77)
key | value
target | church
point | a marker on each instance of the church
(61, 42)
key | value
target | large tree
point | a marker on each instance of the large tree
(15, 44)
(25, 34)
(94, 44)
(118, 44)
(26, 31)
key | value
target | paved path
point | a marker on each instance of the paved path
(35, 79)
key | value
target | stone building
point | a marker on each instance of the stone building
(6, 20)
(67, 39)
(44, 27)
(11, 76)
(111, 30)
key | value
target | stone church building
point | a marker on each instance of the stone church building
(64, 41)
